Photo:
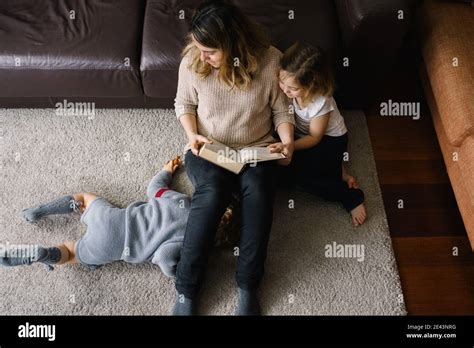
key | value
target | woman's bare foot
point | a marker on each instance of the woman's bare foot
(350, 180)
(358, 215)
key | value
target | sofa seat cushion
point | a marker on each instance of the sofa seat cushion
(70, 48)
(448, 52)
(165, 31)
(165, 28)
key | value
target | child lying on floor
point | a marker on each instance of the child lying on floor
(144, 231)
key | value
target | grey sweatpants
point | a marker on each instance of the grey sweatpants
(105, 236)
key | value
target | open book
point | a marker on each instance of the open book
(236, 160)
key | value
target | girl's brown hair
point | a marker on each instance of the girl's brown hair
(309, 66)
(221, 25)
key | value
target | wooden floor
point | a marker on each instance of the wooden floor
(411, 167)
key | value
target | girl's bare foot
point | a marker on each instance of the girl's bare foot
(350, 180)
(358, 215)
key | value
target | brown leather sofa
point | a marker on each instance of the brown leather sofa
(447, 37)
(125, 53)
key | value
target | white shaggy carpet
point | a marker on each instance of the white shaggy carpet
(115, 154)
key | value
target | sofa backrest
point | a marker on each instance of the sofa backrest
(166, 24)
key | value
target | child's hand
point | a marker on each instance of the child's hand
(172, 165)
(275, 147)
(285, 149)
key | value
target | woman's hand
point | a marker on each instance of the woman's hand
(286, 149)
(196, 141)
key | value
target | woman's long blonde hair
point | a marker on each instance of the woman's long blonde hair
(221, 25)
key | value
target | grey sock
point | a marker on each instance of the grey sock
(184, 306)
(48, 256)
(248, 303)
(63, 205)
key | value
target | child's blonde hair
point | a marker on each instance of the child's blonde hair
(309, 66)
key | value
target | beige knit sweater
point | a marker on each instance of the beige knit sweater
(235, 117)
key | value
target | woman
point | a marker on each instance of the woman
(228, 91)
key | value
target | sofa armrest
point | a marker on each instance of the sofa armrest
(372, 33)
(374, 24)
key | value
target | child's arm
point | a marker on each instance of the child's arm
(317, 128)
(162, 180)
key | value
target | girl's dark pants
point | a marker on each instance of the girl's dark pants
(318, 170)
(213, 188)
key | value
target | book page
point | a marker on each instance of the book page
(222, 156)
(223, 152)
(258, 154)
